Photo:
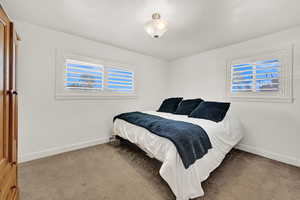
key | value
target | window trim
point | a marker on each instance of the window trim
(285, 55)
(62, 94)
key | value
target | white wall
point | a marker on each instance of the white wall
(48, 126)
(271, 129)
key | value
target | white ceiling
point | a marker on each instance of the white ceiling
(194, 25)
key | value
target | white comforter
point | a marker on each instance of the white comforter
(185, 183)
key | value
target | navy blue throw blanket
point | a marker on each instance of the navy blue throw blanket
(191, 141)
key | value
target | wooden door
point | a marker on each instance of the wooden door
(8, 134)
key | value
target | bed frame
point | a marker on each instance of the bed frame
(128, 143)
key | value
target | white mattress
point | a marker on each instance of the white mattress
(185, 183)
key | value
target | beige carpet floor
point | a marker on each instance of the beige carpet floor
(118, 172)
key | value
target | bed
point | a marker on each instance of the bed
(184, 183)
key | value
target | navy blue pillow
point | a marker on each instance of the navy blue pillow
(187, 106)
(170, 105)
(214, 111)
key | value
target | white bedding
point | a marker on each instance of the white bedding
(185, 183)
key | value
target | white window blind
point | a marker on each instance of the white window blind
(83, 75)
(119, 80)
(259, 76)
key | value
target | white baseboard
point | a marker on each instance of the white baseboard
(59, 150)
(269, 154)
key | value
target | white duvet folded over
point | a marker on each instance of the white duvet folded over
(185, 183)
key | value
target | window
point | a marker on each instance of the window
(83, 76)
(260, 76)
(79, 77)
(267, 77)
(119, 80)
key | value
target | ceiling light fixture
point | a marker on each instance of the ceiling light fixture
(156, 27)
